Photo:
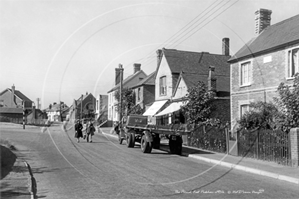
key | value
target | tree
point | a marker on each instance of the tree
(288, 104)
(198, 104)
(128, 100)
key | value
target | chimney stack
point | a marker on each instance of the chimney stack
(159, 56)
(212, 80)
(117, 76)
(262, 20)
(136, 67)
(13, 96)
(225, 46)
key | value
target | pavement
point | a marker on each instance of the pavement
(19, 183)
(249, 165)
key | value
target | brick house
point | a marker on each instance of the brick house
(131, 81)
(177, 71)
(263, 63)
(82, 108)
(12, 98)
(145, 91)
(11, 104)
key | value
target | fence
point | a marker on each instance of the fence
(209, 137)
(268, 145)
(38, 122)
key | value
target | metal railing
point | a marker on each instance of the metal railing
(265, 144)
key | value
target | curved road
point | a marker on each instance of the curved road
(64, 168)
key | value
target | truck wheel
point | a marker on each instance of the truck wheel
(146, 146)
(120, 139)
(130, 140)
(156, 141)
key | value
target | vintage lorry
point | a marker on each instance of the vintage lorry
(135, 128)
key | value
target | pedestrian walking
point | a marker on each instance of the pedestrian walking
(90, 132)
(78, 130)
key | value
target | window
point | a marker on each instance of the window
(246, 73)
(244, 109)
(139, 94)
(162, 86)
(293, 62)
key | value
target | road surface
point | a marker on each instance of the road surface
(64, 168)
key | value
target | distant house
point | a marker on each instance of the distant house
(264, 62)
(145, 91)
(57, 112)
(131, 81)
(12, 98)
(82, 108)
(11, 103)
(177, 71)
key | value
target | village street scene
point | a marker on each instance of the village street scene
(149, 99)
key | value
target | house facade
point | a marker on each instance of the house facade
(131, 81)
(263, 63)
(101, 108)
(57, 112)
(177, 71)
(145, 91)
(82, 108)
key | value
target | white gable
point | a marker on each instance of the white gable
(181, 90)
(163, 70)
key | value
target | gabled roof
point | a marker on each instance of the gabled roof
(149, 80)
(273, 37)
(18, 93)
(191, 79)
(128, 79)
(196, 62)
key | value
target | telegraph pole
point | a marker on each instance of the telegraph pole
(121, 88)
(23, 114)
(81, 107)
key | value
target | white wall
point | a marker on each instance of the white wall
(163, 70)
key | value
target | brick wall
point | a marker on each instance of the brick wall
(268, 71)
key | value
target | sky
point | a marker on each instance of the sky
(57, 50)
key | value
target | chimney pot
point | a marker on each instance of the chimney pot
(225, 46)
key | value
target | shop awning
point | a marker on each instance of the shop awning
(154, 108)
(175, 106)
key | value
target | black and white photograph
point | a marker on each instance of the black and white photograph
(149, 99)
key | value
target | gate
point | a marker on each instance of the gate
(268, 145)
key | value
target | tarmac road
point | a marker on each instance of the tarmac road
(64, 168)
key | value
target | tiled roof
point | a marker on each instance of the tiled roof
(196, 62)
(149, 80)
(18, 94)
(125, 81)
(275, 36)
(191, 79)
(195, 67)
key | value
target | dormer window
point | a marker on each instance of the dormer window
(162, 86)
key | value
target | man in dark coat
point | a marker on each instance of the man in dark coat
(78, 130)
